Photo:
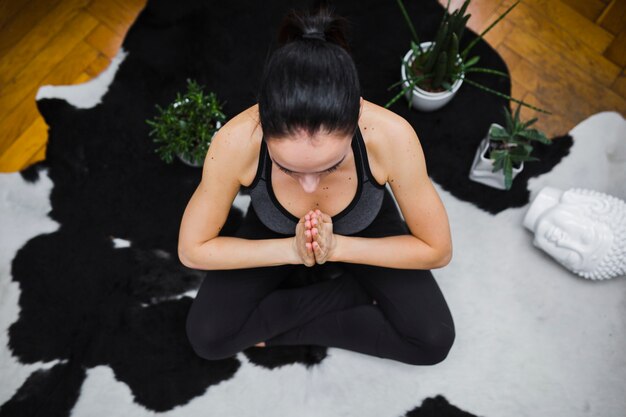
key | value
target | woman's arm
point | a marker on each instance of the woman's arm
(401, 251)
(430, 243)
(199, 243)
(226, 252)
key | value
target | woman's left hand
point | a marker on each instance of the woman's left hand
(324, 241)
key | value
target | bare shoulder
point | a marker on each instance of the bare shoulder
(239, 139)
(383, 130)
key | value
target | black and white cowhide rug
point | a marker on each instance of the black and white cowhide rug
(93, 298)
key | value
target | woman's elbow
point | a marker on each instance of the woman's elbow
(184, 256)
(443, 257)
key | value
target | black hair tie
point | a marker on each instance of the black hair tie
(314, 35)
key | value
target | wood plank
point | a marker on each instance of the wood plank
(512, 59)
(614, 17)
(481, 11)
(591, 9)
(38, 69)
(29, 144)
(25, 147)
(40, 155)
(16, 26)
(542, 41)
(556, 124)
(8, 9)
(98, 65)
(77, 60)
(105, 40)
(37, 40)
(118, 15)
(83, 77)
(18, 120)
(619, 85)
(565, 87)
(495, 36)
(616, 52)
(573, 23)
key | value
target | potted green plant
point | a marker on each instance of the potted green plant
(433, 72)
(187, 125)
(507, 148)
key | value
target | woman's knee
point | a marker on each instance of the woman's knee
(434, 344)
(205, 341)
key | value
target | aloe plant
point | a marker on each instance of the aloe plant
(512, 144)
(441, 64)
(186, 126)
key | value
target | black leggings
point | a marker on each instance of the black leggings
(238, 308)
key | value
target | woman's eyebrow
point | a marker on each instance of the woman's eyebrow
(296, 172)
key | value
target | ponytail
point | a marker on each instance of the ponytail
(310, 82)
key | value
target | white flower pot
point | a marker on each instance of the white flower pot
(197, 164)
(426, 100)
(482, 166)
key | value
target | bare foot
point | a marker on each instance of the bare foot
(260, 344)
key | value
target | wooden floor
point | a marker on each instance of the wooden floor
(567, 56)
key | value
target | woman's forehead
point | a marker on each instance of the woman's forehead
(303, 157)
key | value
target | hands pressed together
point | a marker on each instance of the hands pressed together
(314, 240)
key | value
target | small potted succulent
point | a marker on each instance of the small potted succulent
(186, 127)
(433, 72)
(501, 154)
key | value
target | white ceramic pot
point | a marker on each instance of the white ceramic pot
(197, 164)
(426, 100)
(482, 166)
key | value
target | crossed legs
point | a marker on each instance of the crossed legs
(410, 322)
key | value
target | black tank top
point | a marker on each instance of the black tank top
(357, 216)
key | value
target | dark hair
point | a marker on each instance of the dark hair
(310, 82)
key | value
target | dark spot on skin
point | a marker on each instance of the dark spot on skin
(349, 178)
(211, 157)
(317, 204)
(391, 180)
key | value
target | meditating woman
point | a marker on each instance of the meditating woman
(316, 158)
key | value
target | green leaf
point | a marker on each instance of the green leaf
(508, 173)
(529, 122)
(408, 21)
(496, 132)
(471, 61)
(534, 134)
(440, 69)
(499, 94)
(477, 39)
(509, 121)
(488, 71)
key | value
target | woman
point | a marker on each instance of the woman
(315, 157)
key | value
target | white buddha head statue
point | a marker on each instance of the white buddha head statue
(584, 230)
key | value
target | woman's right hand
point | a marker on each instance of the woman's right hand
(303, 236)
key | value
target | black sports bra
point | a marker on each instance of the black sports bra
(357, 216)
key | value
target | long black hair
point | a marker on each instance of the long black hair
(310, 82)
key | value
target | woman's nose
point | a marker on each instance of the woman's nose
(309, 182)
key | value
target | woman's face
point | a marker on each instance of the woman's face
(307, 159)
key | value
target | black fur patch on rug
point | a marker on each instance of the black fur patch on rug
(87, 303)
